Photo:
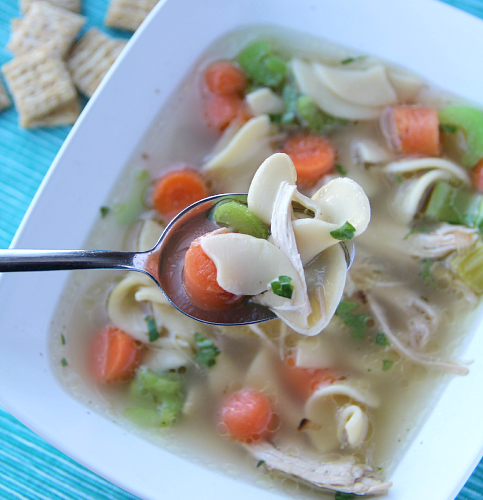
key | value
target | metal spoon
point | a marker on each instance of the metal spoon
(163, 263)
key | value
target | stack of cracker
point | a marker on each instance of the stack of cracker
(46, 69)
(128, 14)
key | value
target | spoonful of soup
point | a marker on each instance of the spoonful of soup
(236, 259)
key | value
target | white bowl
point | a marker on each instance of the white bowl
(440, 43)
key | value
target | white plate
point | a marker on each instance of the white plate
(436, 41)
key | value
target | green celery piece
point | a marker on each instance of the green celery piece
(454, 205)
(345, 307)
(289, 95)
(144, 417)
(469, 267)
(387, 364)
(261, 65)
(206, 351)
(470, 122)
(129, 211)
(315, 119)
(169, 410)
(154, 387)
(237, 216)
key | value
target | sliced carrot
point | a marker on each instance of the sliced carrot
(302, 382)
(246, 414)
(477, 174)
(177, 190)
(221, 110)
(199, 280)
(417, 129)
(313, 156)
(114, 355)
(223, 77)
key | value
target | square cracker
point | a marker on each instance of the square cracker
(128, 14)
(65, 115)
(72, 5)
(5, 101)
(45, 26)
(39, 84)
(90, 59)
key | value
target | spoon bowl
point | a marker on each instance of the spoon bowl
(163, 263)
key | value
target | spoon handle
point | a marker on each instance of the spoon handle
(61, 260)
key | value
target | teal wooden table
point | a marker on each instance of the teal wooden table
(29, 467)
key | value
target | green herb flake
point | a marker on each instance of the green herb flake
(426, 273)
(341, 169)
(448, 129)
(398, 178)
(206, 351)
(379, 469)
(343, 496)
(381, 339)
(104, 211)
(63, 362)
(414, 230)
(356, 321)
(152, 329)
(62, 339)
(345, 232)
(349, 60)
(282, 287)
(387, 364)
(261, 462)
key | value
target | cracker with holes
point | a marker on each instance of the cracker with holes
(128, 14)
(40, 84)
(72, 5)
(4, 99)
(45, 26)
(91, 58)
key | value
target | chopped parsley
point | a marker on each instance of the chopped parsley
(386, 364)
(282, 287)
(104, 211)
(449, 129)
(356, 321)
(62, 339)
(340, 169)
(349, 60)
(152, 329)
(381, 339)
(343, 496)
(418, 229)
(345, 232)
(206, 351)
(398, 178)
(426, 274)
(63, 362)
(261, 462)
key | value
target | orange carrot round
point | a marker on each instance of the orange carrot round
(221, 110)
(199, 280)
(224, 77)
(246, 414)
(313, 156)
(177, 190)
(417, 129)
(477, 174)
(302, 382)
(114, 355)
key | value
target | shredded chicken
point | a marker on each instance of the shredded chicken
(407, 349)
(447, 238)
(344, 475)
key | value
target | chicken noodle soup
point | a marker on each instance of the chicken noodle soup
(328, 396)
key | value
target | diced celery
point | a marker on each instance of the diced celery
(470, 122)
(469, 267)
(454, 205)
(159, 385)
(169, 410)
(237, 216)
(128, 212)
(262, 65)
(289, 95)
(315, 118)
(145, 417)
